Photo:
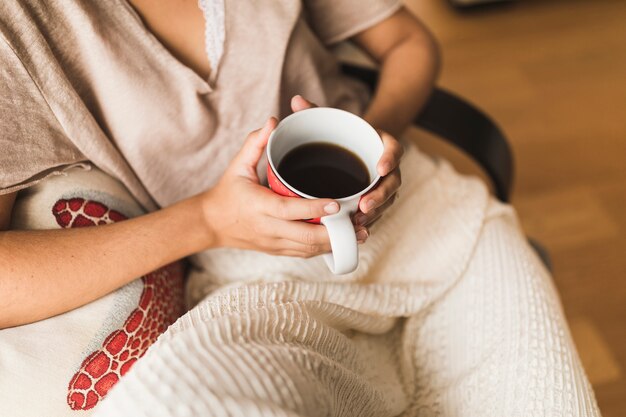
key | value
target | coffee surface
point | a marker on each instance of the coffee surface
(324, 170)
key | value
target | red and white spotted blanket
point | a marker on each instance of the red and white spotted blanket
(66, 364)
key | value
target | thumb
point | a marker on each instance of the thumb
(299, 103)
(252, 150)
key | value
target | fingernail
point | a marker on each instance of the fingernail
(362, 235)
(360, 219)
(331, 208)
(370, 205)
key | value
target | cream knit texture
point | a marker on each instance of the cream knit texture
(449, 314)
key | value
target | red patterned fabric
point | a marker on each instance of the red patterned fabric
(160, 304)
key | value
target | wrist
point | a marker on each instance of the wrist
(195, 224)
(205, 208)
(378, 121)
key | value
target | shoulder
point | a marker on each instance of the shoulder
(17, 16)
(28, 24)
(22, 25)
(38, 38)
(335, 21)
(26, 59)
(17, 39)
(15, 12)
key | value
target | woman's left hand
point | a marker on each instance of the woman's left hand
(374, 203)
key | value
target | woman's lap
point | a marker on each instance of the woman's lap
(496, 343)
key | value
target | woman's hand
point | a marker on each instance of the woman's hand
(374, 203)
(241, 213)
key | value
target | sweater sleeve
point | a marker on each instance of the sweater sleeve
(33, 144)
(338, 20)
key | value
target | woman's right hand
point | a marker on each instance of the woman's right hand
(241, 213)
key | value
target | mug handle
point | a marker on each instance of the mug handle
(345, 252)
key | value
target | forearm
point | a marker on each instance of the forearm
(407, 78)
(48, 272)
(409, 64)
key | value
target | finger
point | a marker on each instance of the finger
(280, 246)
(303, 250)
(314, 249)
(392, 153)
(290, 208)
(301, 233)
(287, 247)
(311, 237)
(300, 103)
(252, 150)
(292, 253)
(370, 222)
(362, 219)
(301, 253)
(388, 186)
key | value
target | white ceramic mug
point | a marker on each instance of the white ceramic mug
(339, 127)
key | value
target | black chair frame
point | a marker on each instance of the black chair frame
(463, 125)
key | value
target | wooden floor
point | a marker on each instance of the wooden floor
(553, 74)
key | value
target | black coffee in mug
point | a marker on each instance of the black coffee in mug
(324, 170)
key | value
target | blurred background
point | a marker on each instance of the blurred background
(552, 73)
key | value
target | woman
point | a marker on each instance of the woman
(127, 89)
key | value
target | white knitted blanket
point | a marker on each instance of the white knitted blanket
(449, 314)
